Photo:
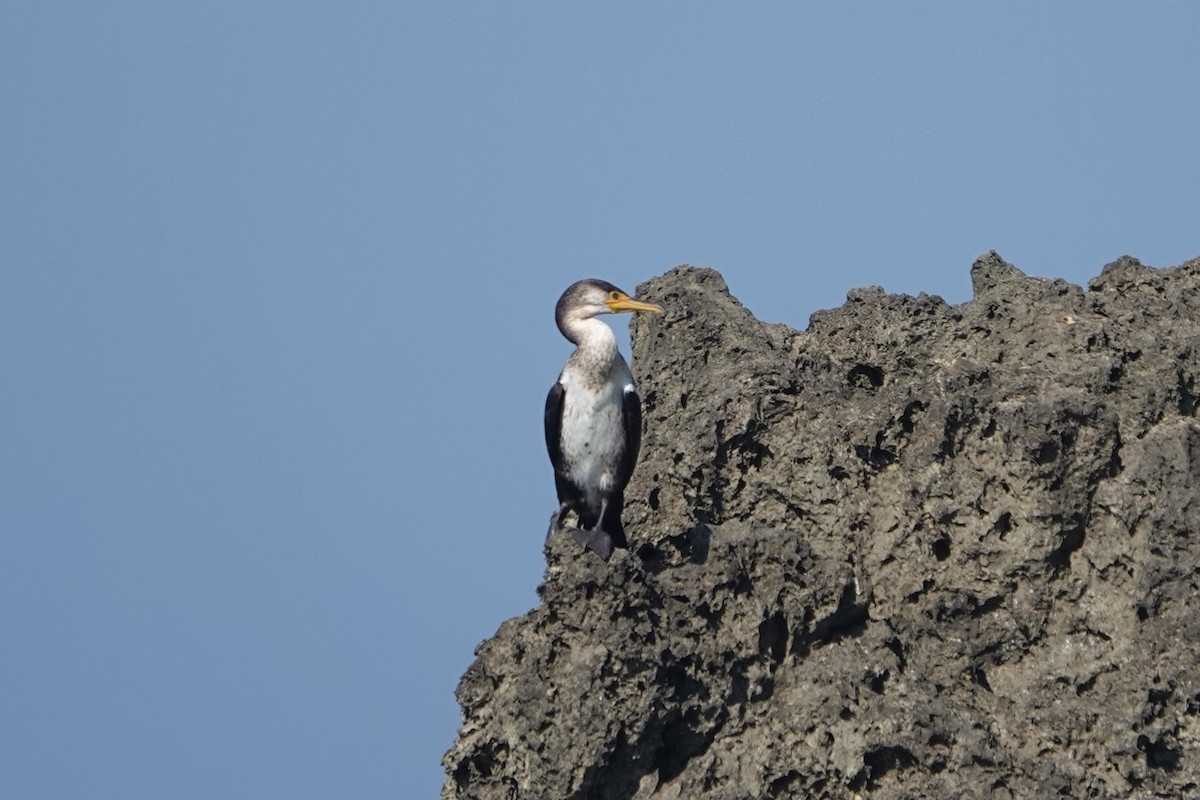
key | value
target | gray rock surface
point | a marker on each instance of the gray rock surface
(916, 551)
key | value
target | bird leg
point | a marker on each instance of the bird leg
(596, 539)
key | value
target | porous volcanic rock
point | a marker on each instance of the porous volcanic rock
(916, 551)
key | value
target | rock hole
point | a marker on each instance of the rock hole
(773, 637)
(941, 548)
(877, 456)
(898, 650)
(1059, 558)
(1187, 394)
(1046, 453)
(649, 554)
(784, 786)
(680, 742)
(1159, 755)
(879, 762)
(1003, 524)
(865, 376)
(947, 446)
(908, 422)
(679, 682)
(987, 606)
(926, 585)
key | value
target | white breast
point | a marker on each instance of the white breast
(593, 432)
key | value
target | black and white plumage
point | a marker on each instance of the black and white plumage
(594, 416)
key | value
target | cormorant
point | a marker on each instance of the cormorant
(594, 417)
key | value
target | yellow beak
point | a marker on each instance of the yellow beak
(629, 304)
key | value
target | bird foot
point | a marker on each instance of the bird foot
(595, 540)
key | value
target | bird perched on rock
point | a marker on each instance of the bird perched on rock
(593, 417)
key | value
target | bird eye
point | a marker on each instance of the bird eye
(614, 295)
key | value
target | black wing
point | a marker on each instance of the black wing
(554, 412)
(633, 437)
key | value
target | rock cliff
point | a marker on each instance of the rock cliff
(916, 551)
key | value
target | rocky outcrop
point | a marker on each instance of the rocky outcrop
(916, 551)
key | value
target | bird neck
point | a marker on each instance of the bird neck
(596, 354)
(590, 335)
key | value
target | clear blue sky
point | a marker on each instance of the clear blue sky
(276, 313)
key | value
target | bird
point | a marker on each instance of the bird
(593, 417)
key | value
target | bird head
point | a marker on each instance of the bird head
(590, 298)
